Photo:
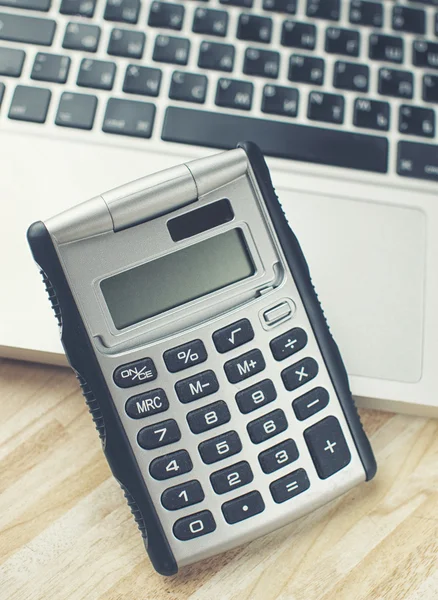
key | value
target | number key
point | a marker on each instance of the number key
(184, 494)
(158, 435)
(231, 478)
(220, 447)
(171, 465)
(256, 396)
(194, 526)
(267, 426)
(278, 456)
(208, 417)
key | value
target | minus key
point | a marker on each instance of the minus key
(310, 403)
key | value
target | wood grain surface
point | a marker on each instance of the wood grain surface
(66, 532)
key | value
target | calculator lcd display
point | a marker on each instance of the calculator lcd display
(177, 278)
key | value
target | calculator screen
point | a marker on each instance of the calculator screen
(179, 277)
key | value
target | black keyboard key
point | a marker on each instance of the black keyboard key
(188, 87)
(393, 82)
(194, 526)
(268, 426)
(417, 160)
(210, 22)
(310, 403)
(42, 5)
(144, 81)
(289, 486)
(138, 371)
(2, 91)
(166, 15)
(78, 111)
(371, 114)
(232, 93)
(127, 43)
(277, 138)
(253, 28)
(27, 30)
(11, 61)
(327, 447)
(430, 88)
(231, 478)
(351, 76)
(171, 465)
(217, 57)
(286, 6)
(288, 343)
(182, 495)
(51, 67)
(241, 3)
(122, 11)
(197, 386)
(185, 356)
(366, 13)
(243, 507)
(232, 336)
(414, 120)
(256, 396)
(220, 447)
(265, 63)
(129, 117)
(411, 20)
(208, 417)
(300, 373)
(324, 9)
(387, 48)
(298, 35)
(29, 104)
(98, 74)
(147, 404)
(278, 100)
(78, 8)
(173, 50)
(326, 107)
(306, 69)
(278, 456)
(81, 37)
(342, 41)
(425, 54)
(244, 366)
(159, 435)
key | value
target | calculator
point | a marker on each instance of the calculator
(187, 311)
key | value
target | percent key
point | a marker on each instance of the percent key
(185, 356)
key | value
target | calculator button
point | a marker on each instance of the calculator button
(244, 366)
(281, 311)
(185, 356)
(289, 486)
(278, 456)
(171, 465)
(231, 478)
(300, 373)
(208, 417)
(233, 335)
(197, 386)
(327, 447)
(256, 396)
(147, 404)
(184, 494)
(267, 426)
(243, 507)
(288, 343)
(135, 373)
(220, 447)
(158, 435)
(194, 526)
(308, 404)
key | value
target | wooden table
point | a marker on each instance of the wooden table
(67, 533)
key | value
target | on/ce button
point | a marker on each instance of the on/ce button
(147, 404)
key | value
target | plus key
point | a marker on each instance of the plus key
(327, 446)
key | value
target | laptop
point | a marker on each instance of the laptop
(340, 95)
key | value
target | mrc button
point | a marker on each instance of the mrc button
(135, 373)
(147, 404)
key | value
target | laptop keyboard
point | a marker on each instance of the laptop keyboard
(347, 83)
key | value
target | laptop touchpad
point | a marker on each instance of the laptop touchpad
(367, 262)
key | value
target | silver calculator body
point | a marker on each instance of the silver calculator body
(187, 311)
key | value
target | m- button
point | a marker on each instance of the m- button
(244, 366)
